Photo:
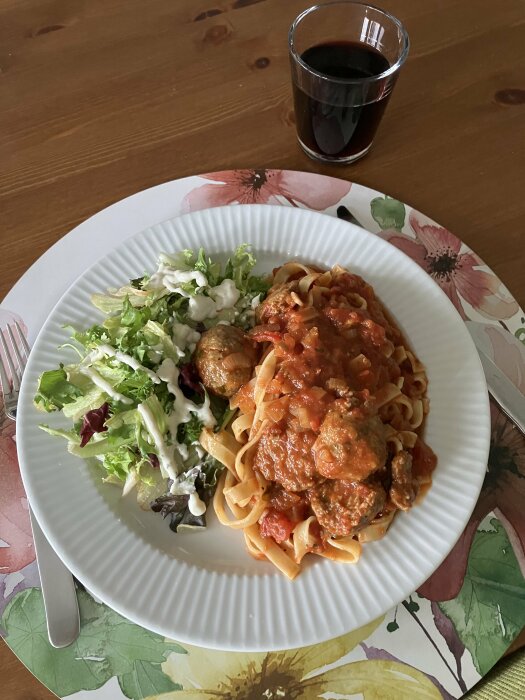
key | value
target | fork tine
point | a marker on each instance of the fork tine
(14, 376)
(23, 339)
(4, 381)
(21, 360)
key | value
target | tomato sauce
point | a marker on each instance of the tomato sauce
(320, 352)
(333, 356)
(424, 460)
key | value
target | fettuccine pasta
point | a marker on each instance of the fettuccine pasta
(325, 446)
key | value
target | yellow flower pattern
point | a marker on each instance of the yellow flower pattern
(297, 674)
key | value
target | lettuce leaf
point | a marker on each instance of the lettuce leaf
(120, 461)
(190, 432)
(239, 267)
(69, 435)
(55, 391)
(84, 403)
(211, 269)
(98, 447)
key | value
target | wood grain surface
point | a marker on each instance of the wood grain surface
(102, 98)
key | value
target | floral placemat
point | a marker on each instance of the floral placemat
(436, 644)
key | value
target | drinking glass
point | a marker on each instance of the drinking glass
(345, 58)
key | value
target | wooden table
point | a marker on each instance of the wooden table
(102, 98)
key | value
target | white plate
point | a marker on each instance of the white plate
(204, 588)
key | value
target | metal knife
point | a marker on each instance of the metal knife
(505, 393)
(58, 591)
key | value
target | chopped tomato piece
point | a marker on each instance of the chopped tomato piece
(276, 525)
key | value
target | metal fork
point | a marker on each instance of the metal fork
(58, 586)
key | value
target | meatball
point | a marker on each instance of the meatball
(285, 456)
(225, 359)
(349, 447)
(277, 303)
(403, 488)
(344, 507)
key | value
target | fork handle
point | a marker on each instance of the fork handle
(58, 591)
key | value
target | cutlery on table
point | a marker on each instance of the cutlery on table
(504, 392)
(58, 587)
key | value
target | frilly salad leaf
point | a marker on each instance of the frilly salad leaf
(119, 462)
(199, 262)
(55, 391)
(189, 432)
(239, 267)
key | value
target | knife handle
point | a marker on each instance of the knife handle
(503, 391)
(58, 591)
(512, 406)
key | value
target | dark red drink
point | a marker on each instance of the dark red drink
(339, 119)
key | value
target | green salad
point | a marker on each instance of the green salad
(134, 397)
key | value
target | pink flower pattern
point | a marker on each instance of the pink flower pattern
(15, 529)
(458, 274)
(266, 187)
(504, 493)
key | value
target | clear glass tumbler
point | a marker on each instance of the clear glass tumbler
(345, 58)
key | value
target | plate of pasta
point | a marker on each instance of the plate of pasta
(253, 427)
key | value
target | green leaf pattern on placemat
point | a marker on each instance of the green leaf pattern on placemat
(109, 645)
(489, 611)
(388, 213)
(146, 679)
